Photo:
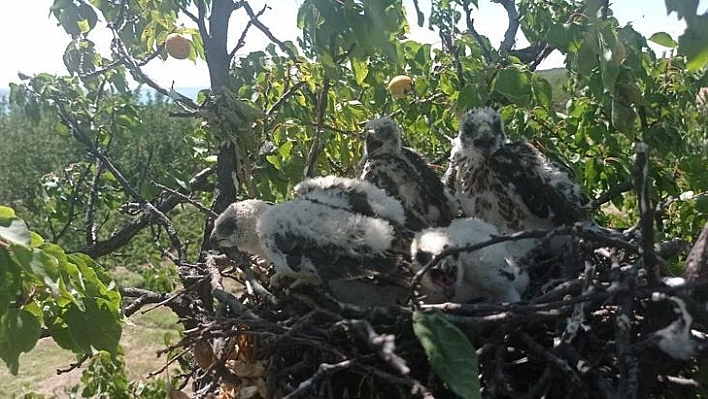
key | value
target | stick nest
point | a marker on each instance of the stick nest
(593, 323)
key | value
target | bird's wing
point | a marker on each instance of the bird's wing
(353, 195)
(409, 179)
(436, 191)
(451, 171)
(547, 190)
(334, 243)
(329, 261)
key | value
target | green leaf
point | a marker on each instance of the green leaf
(623, 117)
(451, 355)
(514, 85)
(360, 69)
(19, 332)
(13, 229)
(542, 91)
(663, 39)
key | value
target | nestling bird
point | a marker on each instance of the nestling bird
(405, 175)
(352, 195)
(312, 240)
(490, 272)
(509, 184)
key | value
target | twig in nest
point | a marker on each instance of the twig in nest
(254, 287)
(167, 364)
(559, 363)
(323, 370)
(383, 344)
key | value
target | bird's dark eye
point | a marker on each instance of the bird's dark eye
(423, 257)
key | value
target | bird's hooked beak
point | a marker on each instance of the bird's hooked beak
(214, 240)
(372, 144)
(445, 277)
(485, 143)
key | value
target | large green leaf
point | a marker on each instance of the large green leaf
(663, 39)
(13, 229)
(513, 84)
(451, 355)
(19, 332)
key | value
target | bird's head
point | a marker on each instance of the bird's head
(382, 137)
(440, 283)
(236, 226)
(482, 130)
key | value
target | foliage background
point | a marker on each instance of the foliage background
(295, 109)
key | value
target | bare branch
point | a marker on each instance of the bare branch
(646, 211)
(513, 28)
(266, 31)
(91, 231)
(418, 13)
(73, 125)
(188, 199)
(242, 40)
(125, 234)
(610, 194)
(143, 296)
(486, 51)
(315, 147)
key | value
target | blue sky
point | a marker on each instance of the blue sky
(32, 42)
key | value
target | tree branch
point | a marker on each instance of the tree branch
(242, 40)
(266, 31)
(91, 231)
(486, 51)
(125, 234)
(315, 147)
(512, 29)
(646, 211)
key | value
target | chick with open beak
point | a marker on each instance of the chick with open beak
(489, 273)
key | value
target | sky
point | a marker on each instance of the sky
(32, 42)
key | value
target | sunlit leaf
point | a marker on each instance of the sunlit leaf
(451, 355)
(663, 39)
(13, 229)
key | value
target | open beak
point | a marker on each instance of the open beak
(445, 278)
(372, 144)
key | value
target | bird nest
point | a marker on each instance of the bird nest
(597, 321)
